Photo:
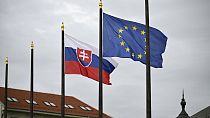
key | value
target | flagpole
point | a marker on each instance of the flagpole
(5, 90)
(100, 63)
(62, 74)
(148, 74)
(32, 81)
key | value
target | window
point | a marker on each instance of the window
(34, 102)
(52, 104)
(49, 104)
(69, 106)
(28, 101)
(88, 108)
(9, 99)
(12, 99)
(83, 108)
(66, 106)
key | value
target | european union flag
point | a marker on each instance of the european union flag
(127, 39)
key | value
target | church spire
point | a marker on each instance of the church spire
(183, 103)
(183, 113)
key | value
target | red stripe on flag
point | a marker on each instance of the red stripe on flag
(72, 67)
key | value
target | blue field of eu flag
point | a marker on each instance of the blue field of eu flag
(127, 39)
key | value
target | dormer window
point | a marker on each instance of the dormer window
(49, 104)
(85, 108)
(34, 102)
(68, 106)
(12, 99)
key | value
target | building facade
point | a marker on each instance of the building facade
(46, 105)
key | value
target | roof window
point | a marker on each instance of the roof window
(34, 102)
(85, 108)
(69, 106)
(88, 108)
(49, 104)
(11, 99)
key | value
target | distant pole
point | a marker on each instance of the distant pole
(32, 80)
(62, 74)
(100, 63)
(148, 75)
(5, 90)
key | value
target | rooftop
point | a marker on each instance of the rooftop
(46, 102)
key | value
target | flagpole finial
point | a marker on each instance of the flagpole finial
(62, 26)
(32, 45)
(100, 4)
(6, 61)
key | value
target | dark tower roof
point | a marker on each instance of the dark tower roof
(183, 113)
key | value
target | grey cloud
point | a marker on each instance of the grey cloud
(185, 23)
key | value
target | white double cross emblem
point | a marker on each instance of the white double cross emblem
(83, 55)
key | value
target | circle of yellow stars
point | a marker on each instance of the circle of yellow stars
(122, 43)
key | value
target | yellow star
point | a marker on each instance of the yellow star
(145, 52)
(122, 43)
(120, 30)
(127, 49)
(119, 36)
(134, 28)
(145, 40)
(133, 55)
(126, 27)
(143, 32)
(139, 56)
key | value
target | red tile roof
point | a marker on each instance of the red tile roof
(40, 98)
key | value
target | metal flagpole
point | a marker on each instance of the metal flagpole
(148, 75)
(62, 74)
(5, 89)
(100, 63)
(32, 81)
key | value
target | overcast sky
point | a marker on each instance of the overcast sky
(185, 66)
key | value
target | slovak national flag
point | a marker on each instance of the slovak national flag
(82, 58)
